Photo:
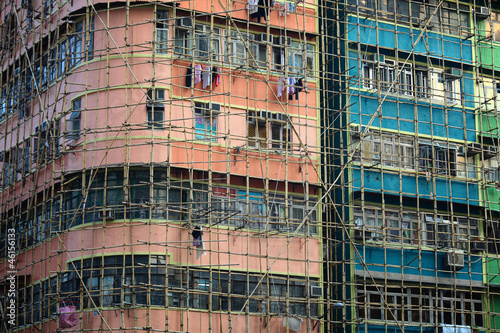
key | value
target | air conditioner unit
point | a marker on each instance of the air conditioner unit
(264, 114)
(375, 57)
(285, 41)
(490, 151)
(478, 246)
(454, 261)
(482, 13)
(251, 119)
(357, 130)
(454, 73)
(264, 37)
(474, 148)
(184, 22)
(280, 116)
(316, 291)
(108, 215)
(215, 107)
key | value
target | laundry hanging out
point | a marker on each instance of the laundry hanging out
(263, 6)
(197, 234)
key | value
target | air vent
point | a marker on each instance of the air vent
(454, 261)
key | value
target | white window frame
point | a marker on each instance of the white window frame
(298, 55)
(203, 112)
(155, 108)
(185, 40)
(269, 141)
(162, 31)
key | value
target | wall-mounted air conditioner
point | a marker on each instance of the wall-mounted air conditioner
(215, 107)
(285, 41)
(316, 291)
(108, 215)
(474, 148)
(184, 22)
(482, 13)
(375, 57)
(478, 246)
(280, 116)
(264, 114)
(454, 261)
(264, 37)
(453, 73)
(490, 151)
(357, 130)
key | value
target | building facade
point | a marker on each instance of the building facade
(161, 166)
(414, 166)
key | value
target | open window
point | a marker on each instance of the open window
(206, 116)
(46, 143)
(73, 124)
(439, 158)
(263, 126)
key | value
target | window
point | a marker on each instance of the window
(237, 54)
(491, 167)
(297, 54)
(206, 44)
(387, 150)
(262, 123)
(16, 163)
(74, 122)
(61, 57)
(162, 44)
(418, 305)
(278, 58)
(422, 83)
(392, 226)
(438, 158)
(452, 88)
(46, 144)
(9, 163)
(411, 81)
(155, 108)
(9, 32)
(450, 18)
(76, 44)
(47, 7)
(205, 117)
(443, 232)
(185, 288)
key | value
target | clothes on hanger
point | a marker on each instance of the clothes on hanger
(252, 6)
(189, 75)
(298, 88)
(281, 86)
(217, 77)
(263, 6)
(197, 74)
(206, 76)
